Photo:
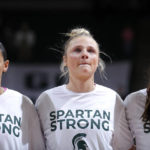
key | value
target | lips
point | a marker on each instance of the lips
(84, 63)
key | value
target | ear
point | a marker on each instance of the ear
(65, 60)
(6, 64)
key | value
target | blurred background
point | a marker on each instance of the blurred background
(29, 29)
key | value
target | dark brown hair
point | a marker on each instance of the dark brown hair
(3, 51)
(146, 114)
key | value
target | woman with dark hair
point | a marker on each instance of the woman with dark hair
(138, 116)
(19, 122)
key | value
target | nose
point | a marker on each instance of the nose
(84, 54)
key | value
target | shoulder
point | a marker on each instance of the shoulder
(19, 98)
(111, 93)
(136, 97)
(17, 95)
(46, 95)
(13, 93)
(104, 89)
(107, 91)
(54, 90)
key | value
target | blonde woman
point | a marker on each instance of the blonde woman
(82, 115)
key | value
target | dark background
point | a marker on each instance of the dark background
(108, 21)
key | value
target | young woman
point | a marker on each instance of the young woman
(82, 114)
(19, 123)
(138, 116)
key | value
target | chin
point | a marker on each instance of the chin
(85, 74)
(86, 69)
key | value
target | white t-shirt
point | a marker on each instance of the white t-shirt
(19, 123)
(135, 105)
(80, 121)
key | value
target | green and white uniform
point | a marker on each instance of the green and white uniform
(19, 123)
(86, 121)
(135, 105)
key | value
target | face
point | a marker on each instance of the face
(3, 66)
(82, 57)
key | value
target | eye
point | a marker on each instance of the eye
(77, 49)
(91, 50)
